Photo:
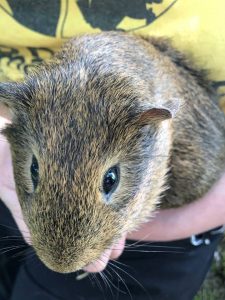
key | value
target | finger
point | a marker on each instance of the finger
(15, 209)
(99, 264)
(6, 175)
(117, 249)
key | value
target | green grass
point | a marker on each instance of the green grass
(214, 285)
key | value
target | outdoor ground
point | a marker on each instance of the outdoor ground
(214, 286)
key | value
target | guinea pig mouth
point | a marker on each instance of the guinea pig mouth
(88, 262)
(89, 259)
(62, 267)
(99, 264)
(94, 265)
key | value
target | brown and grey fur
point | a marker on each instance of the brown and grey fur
(108, 99)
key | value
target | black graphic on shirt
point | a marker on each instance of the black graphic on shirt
(218, 84)
(13, 56)
(41, 16)
(107, 14)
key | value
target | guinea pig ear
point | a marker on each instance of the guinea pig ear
(154, 115)
(10, 100)
(147, 115)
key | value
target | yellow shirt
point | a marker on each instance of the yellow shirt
(31, 32)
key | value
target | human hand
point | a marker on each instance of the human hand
(110, 254)
(7, 185)
(199, 216)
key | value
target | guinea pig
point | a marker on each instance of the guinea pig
(101, 134)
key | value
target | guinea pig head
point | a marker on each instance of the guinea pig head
(90, 154)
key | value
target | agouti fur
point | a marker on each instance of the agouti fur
(109, 99)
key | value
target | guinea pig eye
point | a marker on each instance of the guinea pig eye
(111, 180)
(34, 169)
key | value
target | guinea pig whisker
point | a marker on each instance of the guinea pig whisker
(104, 278)
(14, 228)
(120, 263)
(148, 235)
(116, 261)
(107, 278)
(133, 278)
(10, 227)
(149, 246)
(154, 246)
(105, 270)
(30, 254)
(11, 237)
(116, 287)
(11, 248)
(19, 239)
(21, 253)
(154, 251)
(107, 282)
(90, 276)
(98, 283)
(141, 240)
(123, 281)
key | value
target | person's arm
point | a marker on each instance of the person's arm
(7, 185)
(179, 223)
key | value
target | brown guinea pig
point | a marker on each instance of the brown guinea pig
(102, 132)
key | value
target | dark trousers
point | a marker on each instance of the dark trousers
(155, 271)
